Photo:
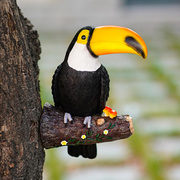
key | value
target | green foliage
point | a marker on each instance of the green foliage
(53, 165)
(141, 150)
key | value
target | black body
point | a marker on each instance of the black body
(80, 93)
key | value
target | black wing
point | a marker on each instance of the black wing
(54, 87)
(104, 88)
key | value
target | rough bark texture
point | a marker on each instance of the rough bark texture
(54, 133)
(21, 152)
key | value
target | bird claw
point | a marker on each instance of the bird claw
(67, 117)
(87, 120)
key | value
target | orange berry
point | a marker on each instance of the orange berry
(107, 110)
(112, 114)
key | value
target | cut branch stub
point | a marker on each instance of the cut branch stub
(54, 133)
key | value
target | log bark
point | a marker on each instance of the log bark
(21, 150)
(55, 133)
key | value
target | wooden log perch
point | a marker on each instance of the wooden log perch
(54, 133)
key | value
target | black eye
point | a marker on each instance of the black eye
(83, 37)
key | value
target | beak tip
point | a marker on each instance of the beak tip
(138, 46)
(145, 55)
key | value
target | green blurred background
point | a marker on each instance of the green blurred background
(149, 90)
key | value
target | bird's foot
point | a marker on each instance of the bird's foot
(87, 120)
(67, 117)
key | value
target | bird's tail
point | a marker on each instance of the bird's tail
(87, 151)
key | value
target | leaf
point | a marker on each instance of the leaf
(112, 126)
(108, 137)
(90, 133)
(89, 142)
(97, 135)
(90, 139)
(78, 142)
(109, 125)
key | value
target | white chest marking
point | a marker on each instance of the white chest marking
(81, 60)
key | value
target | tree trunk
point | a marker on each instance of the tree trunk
(21, 151)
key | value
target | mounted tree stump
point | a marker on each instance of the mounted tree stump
(55, 133)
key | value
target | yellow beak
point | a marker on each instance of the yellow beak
(116, 39)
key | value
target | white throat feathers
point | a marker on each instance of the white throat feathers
(80, 59)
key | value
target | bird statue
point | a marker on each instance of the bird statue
(80, 84)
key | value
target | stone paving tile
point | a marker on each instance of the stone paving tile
(125, 172)
(113, 151)
(160, 124)
(166, 147)
(172, 173)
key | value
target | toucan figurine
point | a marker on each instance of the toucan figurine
(80, 85)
